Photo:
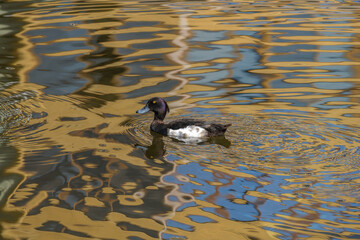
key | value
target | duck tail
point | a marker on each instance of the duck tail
(225, 127)
(220, 128)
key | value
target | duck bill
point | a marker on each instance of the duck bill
(143, 110)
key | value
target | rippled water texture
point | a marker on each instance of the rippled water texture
(77, 162)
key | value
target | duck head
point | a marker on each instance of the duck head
(158, 106)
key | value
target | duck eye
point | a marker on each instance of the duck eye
(154, 102)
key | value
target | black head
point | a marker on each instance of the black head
(158, 106)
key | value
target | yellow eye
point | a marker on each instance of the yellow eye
(154, 102)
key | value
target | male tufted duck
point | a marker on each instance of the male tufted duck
(182, 128)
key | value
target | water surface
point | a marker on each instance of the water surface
(78, 163)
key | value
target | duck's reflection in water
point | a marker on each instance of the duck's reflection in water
(219, 140)
(157, 149)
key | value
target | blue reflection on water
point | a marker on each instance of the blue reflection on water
(232, 188)
(200, 219)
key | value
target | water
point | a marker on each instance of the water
(77, 162)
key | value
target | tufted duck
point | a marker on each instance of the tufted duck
(182, 128)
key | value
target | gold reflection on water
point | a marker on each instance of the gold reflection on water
(78, 221)
(220, 227)
(41, 206)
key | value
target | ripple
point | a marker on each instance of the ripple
(12, 113)
(282, 166)
(138, 129)
(276, 142)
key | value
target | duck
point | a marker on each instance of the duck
(180, 128)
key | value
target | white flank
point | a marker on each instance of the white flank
(188, 132)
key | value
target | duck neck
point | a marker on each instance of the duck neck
(158, 120)
(158, 126)
(159, 117)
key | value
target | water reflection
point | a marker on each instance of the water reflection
(157, 148)
(285, 74)
(9, 181)
(94, 188)
(14, 114)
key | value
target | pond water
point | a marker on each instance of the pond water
(77, 162)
